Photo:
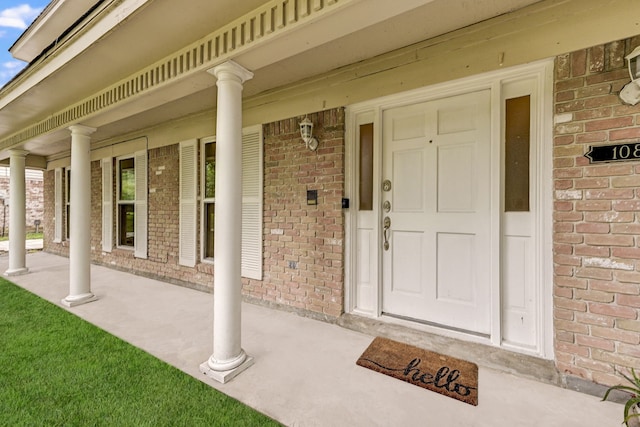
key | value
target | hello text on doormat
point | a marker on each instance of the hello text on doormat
(446, 375)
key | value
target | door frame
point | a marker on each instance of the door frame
(371, 112)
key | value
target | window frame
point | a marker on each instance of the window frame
(204, 201)
(120, 202)
(67, 202)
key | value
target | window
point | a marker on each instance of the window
(129, 200)
(107, 204)
(67, 195)
(366, 167)
(252, 160)
(517, 147)
(126, 201)
(209, 199)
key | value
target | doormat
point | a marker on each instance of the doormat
(446, 375)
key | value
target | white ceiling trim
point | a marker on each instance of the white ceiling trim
(259, 26)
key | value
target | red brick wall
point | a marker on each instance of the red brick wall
(596, 218)
(304, 244)
(48, 219)
(162, 223)
(34, 202)
(311, 237)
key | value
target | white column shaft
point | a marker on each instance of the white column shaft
(227, 350)
(17, 213)
(80, 218)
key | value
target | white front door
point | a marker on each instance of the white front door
(436, 254)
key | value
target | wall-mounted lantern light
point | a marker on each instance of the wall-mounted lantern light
(306, 131)
(630, 93)
(634, 64)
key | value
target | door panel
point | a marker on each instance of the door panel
(408, 181)
(455, 277)
(407, 271)
(456, 172)
(437, 266)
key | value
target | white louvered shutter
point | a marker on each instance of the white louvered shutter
(107, 204)
(188, 202)
(58, 202)
(252, 203)
(141, 204)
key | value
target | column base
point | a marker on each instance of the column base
(16, 271)
(228, 375)
(72, 301)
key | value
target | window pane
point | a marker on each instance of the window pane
(127, 179)
(517, 135)
(210, 170)
(209, 230)
(68, 233)
(68, 196)
(68, 186)
(366, 167)
(126, 217)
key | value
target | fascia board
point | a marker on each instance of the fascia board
(68, 51)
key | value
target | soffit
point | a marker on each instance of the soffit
(54, 20)
(360, 30)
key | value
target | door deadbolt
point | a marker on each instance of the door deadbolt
(386, 185)
(386, 206)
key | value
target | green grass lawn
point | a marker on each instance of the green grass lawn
(58, 370)
(30, 236)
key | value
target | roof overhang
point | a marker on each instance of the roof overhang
(55, 20)
(136, 63)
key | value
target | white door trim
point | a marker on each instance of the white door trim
(371, 112)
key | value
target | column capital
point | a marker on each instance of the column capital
(231, 70)
(18, 153)
(81, 129)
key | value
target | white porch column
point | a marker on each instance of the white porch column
(80, 218)
(17, 214)
(228, 358)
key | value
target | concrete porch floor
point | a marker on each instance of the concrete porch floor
(305, 372)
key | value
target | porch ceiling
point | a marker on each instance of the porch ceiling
(359, 30)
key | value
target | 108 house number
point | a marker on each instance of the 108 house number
(614, 153)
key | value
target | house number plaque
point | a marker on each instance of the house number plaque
(613, 153)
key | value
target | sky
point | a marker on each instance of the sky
(15, 17)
